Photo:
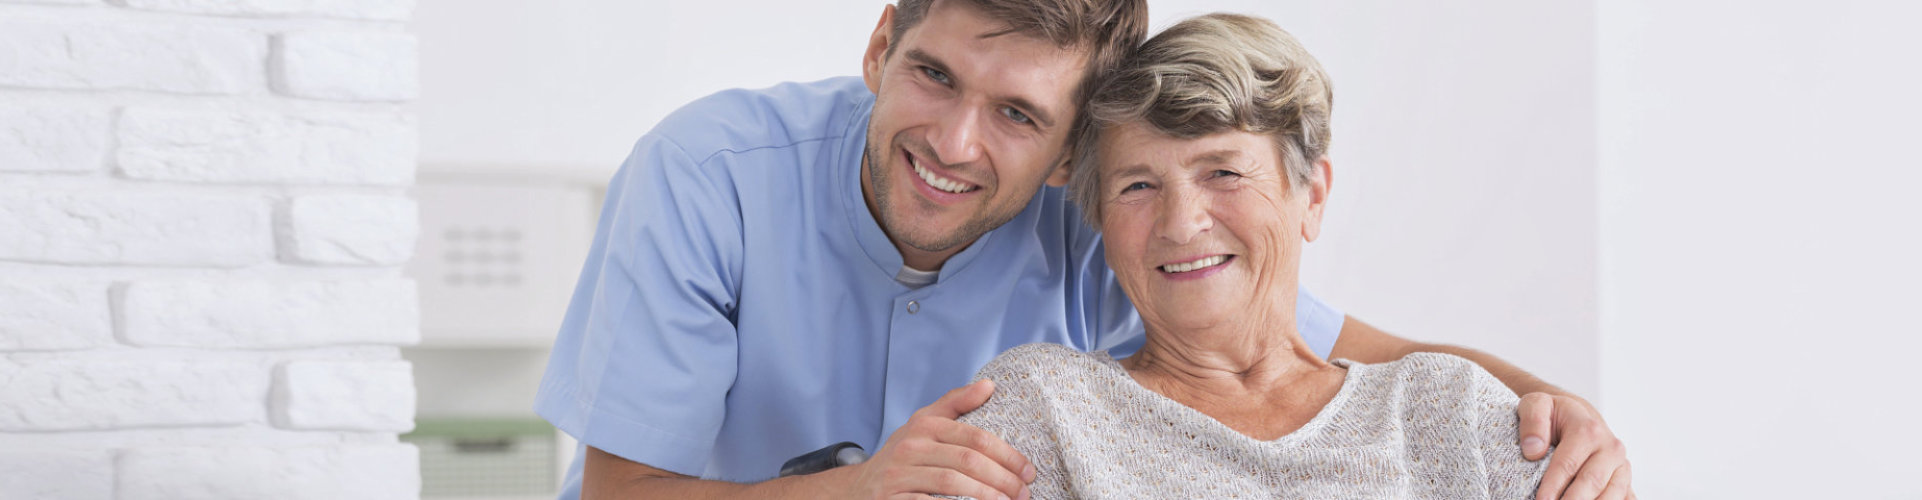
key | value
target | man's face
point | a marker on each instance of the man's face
(966, 128)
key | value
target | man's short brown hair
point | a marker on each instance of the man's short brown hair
(1107, 29)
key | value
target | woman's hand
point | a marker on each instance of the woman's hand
(1590, 462)
(934, 454)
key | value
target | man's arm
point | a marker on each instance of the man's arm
(1590, 461)
(931, 454)
(1364, 343)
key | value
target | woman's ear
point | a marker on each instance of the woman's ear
(1318, 186)
(876, 57)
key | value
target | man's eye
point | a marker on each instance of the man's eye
(1016, 115)
(936, 75)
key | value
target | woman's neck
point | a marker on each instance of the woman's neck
(1256, 376)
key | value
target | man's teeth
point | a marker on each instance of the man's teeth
(938, 182)
(1195, 264)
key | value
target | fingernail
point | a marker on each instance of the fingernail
(1002, 497)
(1024, 493)
(1533, 445)
(1027, 474)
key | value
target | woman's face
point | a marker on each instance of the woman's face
(1204, 232)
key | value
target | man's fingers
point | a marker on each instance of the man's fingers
(978, 468)
(1562, 469)
(1594, 477)
(988, 445)
(1618, 485)
(1537, 412)
(944, 481)
(961, 400)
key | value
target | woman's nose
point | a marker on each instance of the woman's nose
(1184, 215)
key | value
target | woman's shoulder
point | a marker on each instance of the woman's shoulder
(1041, 372)
(1428, 372)
(1044, 360)
(1031, 381)
(1433, 392)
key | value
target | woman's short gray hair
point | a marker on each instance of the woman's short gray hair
(1205, 75)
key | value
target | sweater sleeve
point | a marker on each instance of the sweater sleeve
(1020, 413)
(1509, 475)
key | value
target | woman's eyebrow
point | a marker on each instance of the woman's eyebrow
(1217, 157)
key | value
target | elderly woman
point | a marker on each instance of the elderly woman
(1204, 168)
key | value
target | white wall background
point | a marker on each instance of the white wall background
(202, 221)
(1760, 243)
(1664, 206)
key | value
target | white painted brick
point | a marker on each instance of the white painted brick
(51, 316)
(269, 314)
(56, 475)
(198, 59)
(345, 395)
(228, 146)
(350, 229)
(95, 395)
(388, 10)
(136, 229)
(365, 472)
(347, 66)
(49, 139)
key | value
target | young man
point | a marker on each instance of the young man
(783, 269)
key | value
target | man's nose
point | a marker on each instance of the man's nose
(956, 138)
(1184, 215)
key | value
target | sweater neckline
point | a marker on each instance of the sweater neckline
(1307, 430)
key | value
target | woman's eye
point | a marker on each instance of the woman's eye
(1016, 115)
(1224, 173)
(935, 74)
(1135, 186)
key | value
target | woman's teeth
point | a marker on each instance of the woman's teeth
(938, 182)
(1195, 264)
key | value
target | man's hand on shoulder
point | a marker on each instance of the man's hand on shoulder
(1590, 462)
(935, 454)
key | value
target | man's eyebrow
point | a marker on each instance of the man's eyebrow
(1040, 115)
(921, 57)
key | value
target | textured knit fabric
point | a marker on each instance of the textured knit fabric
(1427, 426)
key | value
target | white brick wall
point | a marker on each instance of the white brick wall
(351, 230)
(307, 395)
(226, 145)
(56, 475)
(299, 473)
(159, 57)
(268, 314)
(50, 139)
(203, 219)
(347, 66)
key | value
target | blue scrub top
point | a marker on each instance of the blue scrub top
(739, 304)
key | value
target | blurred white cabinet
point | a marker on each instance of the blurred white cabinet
(499, 252)
(498, 257)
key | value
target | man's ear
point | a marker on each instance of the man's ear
(1318, 186)
(1062, 172)
(876, 56)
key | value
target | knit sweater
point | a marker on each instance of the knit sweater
(1427, 426)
